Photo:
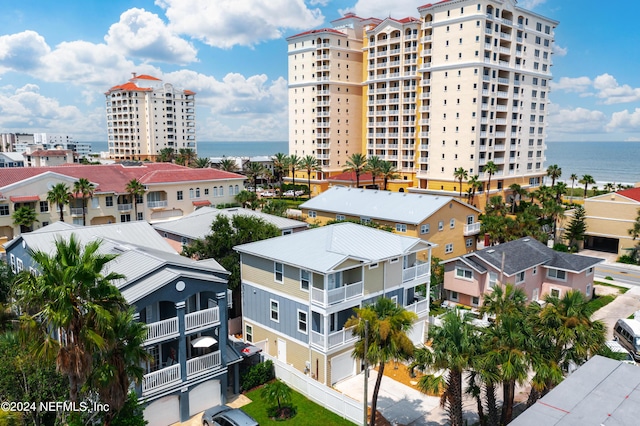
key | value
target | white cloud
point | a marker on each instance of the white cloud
(560, 51)
(226, 23)
(144, 35)
(578, 120)
(384, 8)
(319, 2)
(568, 84)
(22, 51)
(613, 93)
(625, 121)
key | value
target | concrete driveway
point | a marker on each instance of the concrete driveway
(621, 307)
(401, 404)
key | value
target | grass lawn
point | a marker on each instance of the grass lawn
(600, 301)
(309, 413)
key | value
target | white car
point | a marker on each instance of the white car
(267, 194)
(289, 193)
(299, 193)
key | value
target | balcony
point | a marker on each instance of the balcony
(157, 204)
(472, 229)
(420, 307)
(415, 272)
(333, 340)
(203, 364)
(194, 322)
(336, 295)
(161, 379)
(200, 320)
(125, 207)
(162, 330)
(76, 211)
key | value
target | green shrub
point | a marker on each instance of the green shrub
(608, 278)
(625, 258)
(257, 375)
(561, 247)
(285, 412)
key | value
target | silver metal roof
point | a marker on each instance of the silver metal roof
(322, 249)
(197, 225)
(400, 207)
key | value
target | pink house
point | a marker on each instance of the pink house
(526, 262)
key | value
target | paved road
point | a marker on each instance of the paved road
(628, 274)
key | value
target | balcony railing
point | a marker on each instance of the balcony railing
(332, 340)
(125, 207)
(420, 270)
(420, 307)
(157, 204)
(330, 297)
(203, 364)
(201, 319)
(160, 379)
(76, 211)
(161, 330)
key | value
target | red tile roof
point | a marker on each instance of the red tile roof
(113, 178)
(428, 5)
(201, 203)
(145, 77)
(321, 30)
(633, 193)
(50, 152)
(350, 177)
(130, 87)
(25, 198)
(189, 92)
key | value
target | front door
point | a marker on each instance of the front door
(282, 350)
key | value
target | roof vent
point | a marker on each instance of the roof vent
(491, 251)
(526, 240)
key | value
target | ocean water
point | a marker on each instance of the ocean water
(613, 162)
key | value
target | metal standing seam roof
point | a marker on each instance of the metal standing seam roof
(197, 224)
(400, 207)
(322, 249)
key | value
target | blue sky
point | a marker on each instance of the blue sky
(58, 58)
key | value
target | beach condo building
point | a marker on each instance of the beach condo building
(462, 85)
(299, 290)
(146, 115)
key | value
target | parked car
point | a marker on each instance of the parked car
(616, 347)
(227, 416)
(267, 194)
(289, 193)
(299, 193)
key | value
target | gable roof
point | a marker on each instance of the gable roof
(526, 253)
(400, 207)
(197, 224)
(633, 193)
(350, 177)
(325, 248)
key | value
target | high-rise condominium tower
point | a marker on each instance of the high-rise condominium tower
(145, 115)
(464, 85)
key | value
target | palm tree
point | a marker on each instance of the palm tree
(475, 184)
(202, 163)
(73, 296)
(135, 190)
(280, 166)
(586, 181)
(310, 164)
(388, 172)
(356, 163)
(83, 188)
(518, 192)
(560, 188)
(554, 172)
(228, 165)
(573, 178)
(374, 166)
(246, 198)
(293, 163)
(167, 155)
(25, 217)
(186, 156)
(253, 171)
(381, 328)
(490, 168)
(59, 195)
(120, 361)
(460, 173)
(453, 346)
(276, 393)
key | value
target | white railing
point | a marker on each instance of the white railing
(160, 379)
(472, 229)
(160, 330)
(157, 204)
(201, 319)
(341, 337)
(124, 207)
(203, 364)
(337, 295)
(420, 307)
(414, 272)
(76, 211)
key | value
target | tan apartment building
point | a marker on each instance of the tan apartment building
(171, 191)
(465, 84)
(146, 115)
(449, 224)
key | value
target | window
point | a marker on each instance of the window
(44, 206)
(179, 195)
(302, 321)
(469, 242)
(452, 223)
(197, 192)
(590, 271)
(248, 332)
(12, 259)
(394, 260)
(519, 277)
(4, 210)
(454, 296)
(475, 301)
(95, 203)
(557, 274)
(206, 191)
(278, 272)
(312, 214)
(140, 216)
(555, 292)
(424, 228)
(274, 310)
(448, 248)
(464, 273)
(440, 225)
(401, 227)
(493, 280)
(108, 201)
(19, 265)
(535, 270)
(339, 217)
(305, 278)
(365, 220)
(125, 217)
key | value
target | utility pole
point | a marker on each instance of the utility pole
(366, 372)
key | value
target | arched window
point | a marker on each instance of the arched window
(190, 192)
(230, 189)
(237, 190)
(197, 192)
(215, 191)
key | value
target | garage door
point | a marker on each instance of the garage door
(204, 396)
(417, 333)
(342, 366)
(163, 412)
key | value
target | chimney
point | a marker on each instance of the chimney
(133, 74)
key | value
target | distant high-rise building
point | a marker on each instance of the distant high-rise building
(145, 116)
(464, 85)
